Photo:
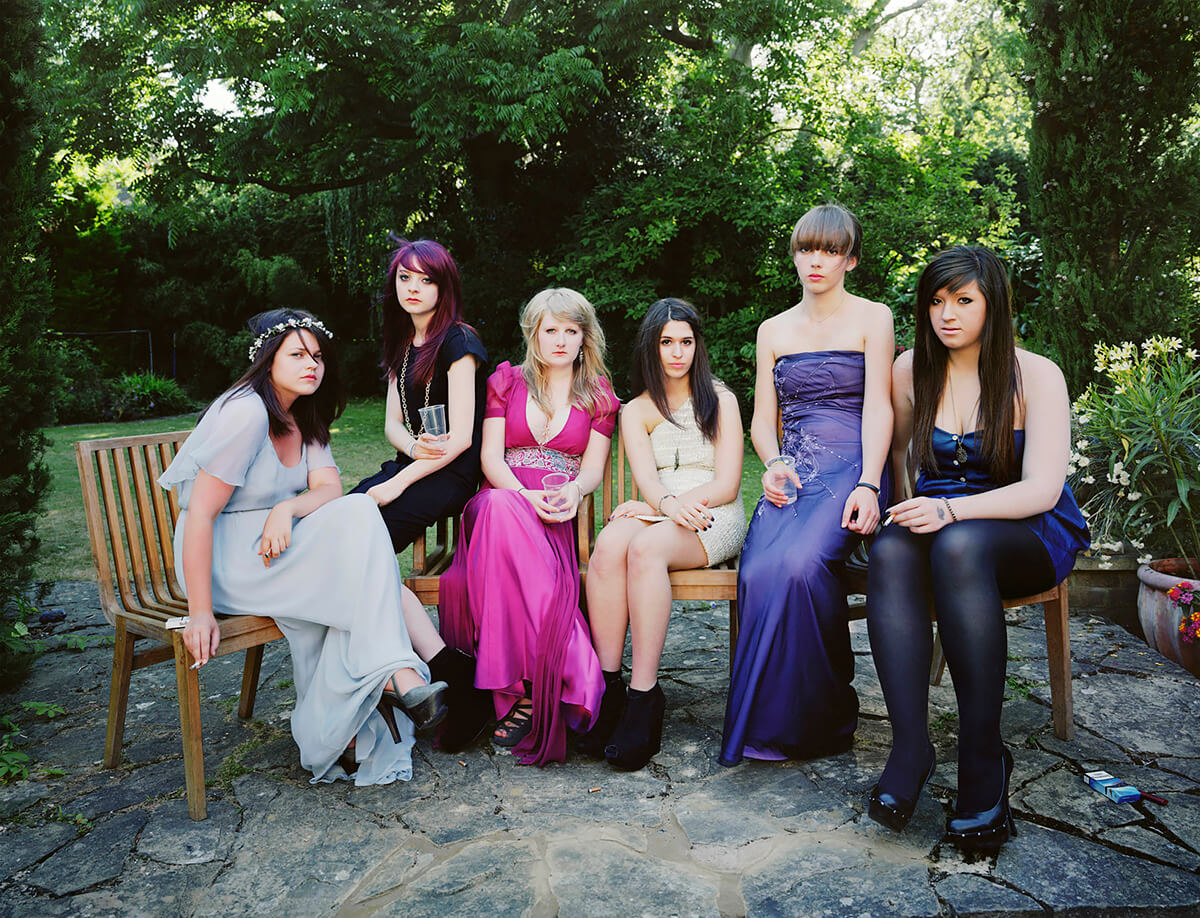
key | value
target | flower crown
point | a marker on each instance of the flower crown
(289, 325)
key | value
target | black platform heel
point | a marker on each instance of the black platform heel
(471, 708)
(424, 705)
(895, 812)
(638, 735)
(612, 705)
(989, 829)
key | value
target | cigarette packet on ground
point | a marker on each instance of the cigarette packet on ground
(1112, 788)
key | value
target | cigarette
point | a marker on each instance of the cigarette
(195, 665)
(887, 521)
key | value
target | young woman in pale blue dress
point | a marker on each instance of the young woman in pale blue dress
(264, 530)
(683, 437)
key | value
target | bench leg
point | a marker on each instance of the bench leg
(937, 665)
(1058, 653)
(254, 657)
(733, 632)
(188, 681)
(118, 694)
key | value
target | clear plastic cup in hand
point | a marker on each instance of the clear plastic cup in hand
(782, 481)
(555, 485)
(433, 419)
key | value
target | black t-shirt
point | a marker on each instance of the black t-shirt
(459, 342)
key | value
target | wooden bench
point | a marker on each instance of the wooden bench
(131, 526)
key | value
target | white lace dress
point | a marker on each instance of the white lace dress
(686, 460)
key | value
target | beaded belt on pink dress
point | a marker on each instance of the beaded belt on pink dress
(541, 457)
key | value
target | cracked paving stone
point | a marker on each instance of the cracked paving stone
(582, 875)
(1134, 712)
(1066, 873)
(171, 836)
(973, 896)
(1153, 844)
(98, 856)
(485, 878)
(21, 846)
(1063, 797)
(1181, 817)
(126, 789)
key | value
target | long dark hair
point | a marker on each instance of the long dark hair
(312, 414)
(647, 374)
(430, 258)
(999, 375)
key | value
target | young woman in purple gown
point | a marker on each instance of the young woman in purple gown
(683, 437)
(431, 357)
(512, 593)
(992, 518)
(823, 370)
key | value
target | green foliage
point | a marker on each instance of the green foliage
(46, 709)
(14, 764)
(1137, 430)
(24, 379)
(1114, 161)
(145, 395)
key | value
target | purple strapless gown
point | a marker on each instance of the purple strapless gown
(790, 694)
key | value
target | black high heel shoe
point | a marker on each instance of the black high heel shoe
(638, 735)
(989, 829)
(471, 708)
(895, 812)
(612, 705)
(424, 705)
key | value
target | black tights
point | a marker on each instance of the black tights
(968, 568)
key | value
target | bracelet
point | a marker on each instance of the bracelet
(771, 462)
(658, 509)
(412, 453)
(867, 484)
(953, 517)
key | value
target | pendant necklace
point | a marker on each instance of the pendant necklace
(960, 451)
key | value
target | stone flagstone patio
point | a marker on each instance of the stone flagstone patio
(476, 834)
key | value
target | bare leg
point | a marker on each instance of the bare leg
(652, 554)
(608, 612)
(424, 636)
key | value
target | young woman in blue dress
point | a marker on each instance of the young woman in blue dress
(991, 518)
(823, 372)
(264, 530)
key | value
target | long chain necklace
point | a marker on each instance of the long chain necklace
(960, 451)
(403, 388)
(822, 321)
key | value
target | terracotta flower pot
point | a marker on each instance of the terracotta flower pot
(1160, 616)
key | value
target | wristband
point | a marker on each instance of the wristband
(953, 517)
(658, 510)
(771, 462)
(412, 453)
(867, 484)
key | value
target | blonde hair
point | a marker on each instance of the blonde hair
(828, 226)
(569, 306)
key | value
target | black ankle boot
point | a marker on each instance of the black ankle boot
(638, 735)
(612, 704)
(470, 708)
(986, 830)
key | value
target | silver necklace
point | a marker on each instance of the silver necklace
(960, 451)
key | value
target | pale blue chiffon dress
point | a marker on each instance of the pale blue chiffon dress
(334, 593)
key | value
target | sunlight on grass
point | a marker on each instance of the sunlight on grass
(358, 446)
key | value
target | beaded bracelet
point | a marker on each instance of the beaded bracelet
(953, 517)
(867, 484)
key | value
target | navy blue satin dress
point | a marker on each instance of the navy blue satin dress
(790, 694)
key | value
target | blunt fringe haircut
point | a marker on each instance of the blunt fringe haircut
(828, 226)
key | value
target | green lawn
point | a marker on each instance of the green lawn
(358, 446)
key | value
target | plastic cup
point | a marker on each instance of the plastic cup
(786, 485)
(433, 419)
(553, 484)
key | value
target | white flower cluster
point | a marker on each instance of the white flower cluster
(289, 325)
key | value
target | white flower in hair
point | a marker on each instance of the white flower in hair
(289, 325)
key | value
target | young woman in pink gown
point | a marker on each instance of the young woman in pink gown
(511, 597)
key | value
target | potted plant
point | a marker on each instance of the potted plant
(1135, 468)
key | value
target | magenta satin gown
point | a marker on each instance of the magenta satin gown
(511, 596)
